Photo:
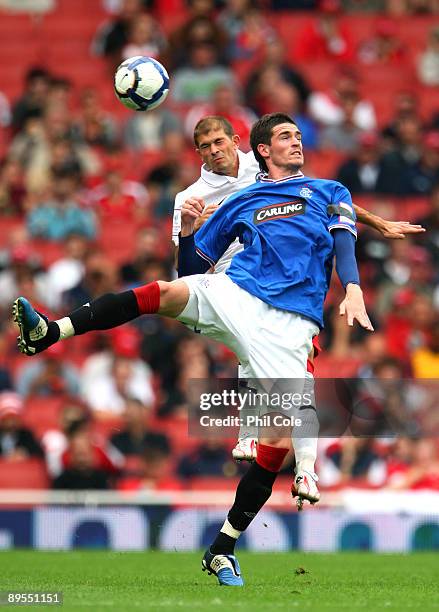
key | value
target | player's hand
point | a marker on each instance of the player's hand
(353, 307)
(397, 230)
(192, 209)
(207, 212)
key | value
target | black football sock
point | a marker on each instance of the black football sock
(253, 491)
(107, 311)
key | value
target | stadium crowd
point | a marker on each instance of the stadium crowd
(86, 199)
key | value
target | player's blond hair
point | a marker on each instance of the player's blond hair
(212, 122)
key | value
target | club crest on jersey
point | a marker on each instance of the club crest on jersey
(306, 192)
(279, 211)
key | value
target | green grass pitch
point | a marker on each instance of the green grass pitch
(157, 581)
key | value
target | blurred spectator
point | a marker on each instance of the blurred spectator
(409, 329)
(148, 246)
(210, 458)
(199, 29)
(285, 99)
(360, 173)
(298, 5)
(424, 174)
(225, 102)
(423, 471)
(174, 174)
(94, 126)
(108, 394)
(144, 38)
(399, 460)
(22, 265)
(231, 19)
(364, 6)
(250, 41)
(196, 81)
(192, 361)
(406, 271)
(274, 61)
(374, 350)
(5, 111)
(406, 106)
(99, 278)
(109, 379)
(345, 135)
(55, 441)
(400, 165)
(82, 470)
(12, 188)
(428, 61)
(356, 460)
(113, 35)
(33, 99)
(50, 375)
(5, 372)
(117, 198)
(431, 221)
(325, 37)
(154, 472)
(61, 214)
(67, 271)
(384, 47)
(146, 131)
(16, 441)
(329, 108)
(135, 437)
(425, 359)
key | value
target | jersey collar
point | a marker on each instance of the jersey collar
(265, 178)
(216, 180)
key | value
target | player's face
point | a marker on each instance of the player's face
(285, 151)
(219, 152)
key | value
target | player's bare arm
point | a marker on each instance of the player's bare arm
(394, 230)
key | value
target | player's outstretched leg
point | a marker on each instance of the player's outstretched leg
(305, 440)
(246, 446)
(110, 310)
(253, 491)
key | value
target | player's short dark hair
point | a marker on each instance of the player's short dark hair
(212, 122)
(262, 131)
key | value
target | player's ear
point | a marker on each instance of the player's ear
(236, 140)
(263, 150)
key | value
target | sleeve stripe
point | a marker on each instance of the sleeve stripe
(344, 219)
(341, 210)
(346, 206)
(205, 257)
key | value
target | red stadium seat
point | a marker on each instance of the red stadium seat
(26, 474)
(42, 413)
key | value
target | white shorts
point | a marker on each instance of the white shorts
(270, 343)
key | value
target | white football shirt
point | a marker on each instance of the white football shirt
(214, 189)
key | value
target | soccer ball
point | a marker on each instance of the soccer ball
(141, 83)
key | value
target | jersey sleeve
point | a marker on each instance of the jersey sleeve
(341, 211)
(215, 236)
(176, 220)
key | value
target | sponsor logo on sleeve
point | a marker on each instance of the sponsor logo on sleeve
(279, 211)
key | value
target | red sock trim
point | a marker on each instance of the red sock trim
(148, 298)
(270, 457)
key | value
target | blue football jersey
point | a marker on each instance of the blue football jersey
(285, 228)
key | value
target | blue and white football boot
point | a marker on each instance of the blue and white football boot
(32, 325)
(225, 567)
